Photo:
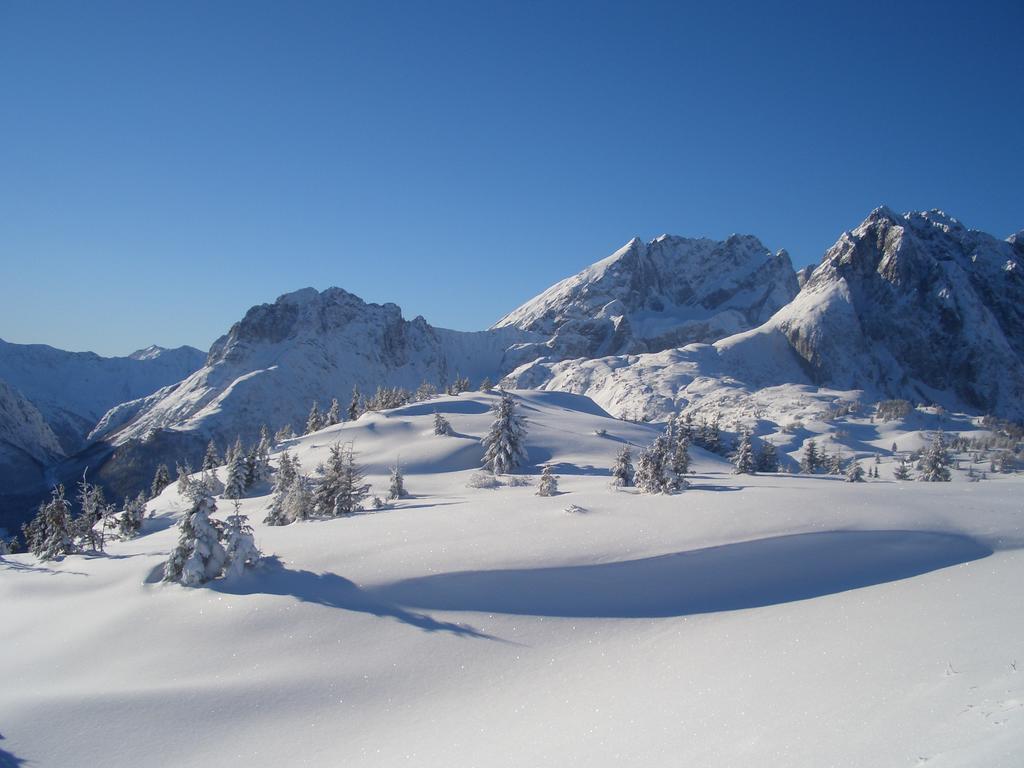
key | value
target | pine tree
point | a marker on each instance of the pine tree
(52, 537)
(894, 447)
(314, 421)
(396, 489)
(768, 458)
(744, 459)
(503, 445)
(161, 480)
(284, 433)
(92, 505)
(199, 554)
(902, 471)
(333, 413)
(259, 469)
(211, 460)
(351, 489)
(622, 470)
(855, 472)
(132, 514)
(353, 407)
(34, 531)
(298, 500)
(935, 462)
(441, 425)
(183, 470)
(713, 436)
(234, 486)
(329, 485)
(652, 469)
(283, 478)
(548, 485)
(835, 464)
(239, 545)
(486, 385)
(678, 435)
(810, 462)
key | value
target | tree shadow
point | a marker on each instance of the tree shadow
(13, 565)
(331, 590)
(8, 760)
(750, 574)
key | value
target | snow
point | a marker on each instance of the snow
(748, 621)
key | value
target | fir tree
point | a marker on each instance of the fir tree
(441, 425)
(283, 479)
(855, 472)
(161, 480)
(396, 488)
(652, 469)
(811, 461)
(744, 459)
(425, 391)
(239, 546)
(199, 554)
(234, 486)
(333, 413)
(211, 460)
(259, 468)
(713, 436)
(622, 470)
(548, 485)
(351, 489)
(503, 445)
(92, 505)
(314, 421)
(54, 536)
(132, 514)
(902, 471)
(935, 462)
(767, 458)
(329, 485)
(353, 407)
(284, 433)
(679, 446)
(298, 500)
(835, 464)
(183, 470)
(486, 385)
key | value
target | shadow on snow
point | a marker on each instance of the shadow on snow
(731, 577)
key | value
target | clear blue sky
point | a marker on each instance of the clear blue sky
(166, 165)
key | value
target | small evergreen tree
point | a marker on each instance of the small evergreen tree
(622, 470)
(855, 472)
(835, 463)
(354, 409)
(548, 485)
(329, 486)
(199, 554)
(351, 489)
(333, 413)
(441, 425)
(298, 500)
(652, 469)
(183, 470)
(211, 460)
(284, 433)
(396, 488)
(811, 461)
(239, 546)
(129, 523)
(314, 421)
(283, 478)
(935, 461)
(744, 458)
(767, 458)
(52, 536)
(425, 391)
(259, 460)
(161, 480)
(91, 503)
(234, 486)
(503, 446)
(486, 385)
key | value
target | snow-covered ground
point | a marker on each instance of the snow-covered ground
(748, 621)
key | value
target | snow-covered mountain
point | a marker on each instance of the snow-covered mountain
(914, 306)
(72, 390)
(647, 297)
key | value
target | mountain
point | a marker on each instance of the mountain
(914, 306)
(72, 390)
(647, 297)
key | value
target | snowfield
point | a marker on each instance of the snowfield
(768, 620)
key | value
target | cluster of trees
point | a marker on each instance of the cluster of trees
(208, 548)
(662, 466)
(54, 532)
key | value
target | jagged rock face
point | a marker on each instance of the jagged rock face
(648, 297)
(915, 306)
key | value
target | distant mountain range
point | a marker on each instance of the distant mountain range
(912, 306)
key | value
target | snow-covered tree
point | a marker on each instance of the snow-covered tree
(486, 385)
(50, 536)
(298, 500)
(678, 436)
(441, 425)
(461, 384)
(935, 461)
(333, 413)
(183, 470)
(835, 463)
(199, 554)
(91, 505)
(854, 472)
(652, 469)
(284, 433)
(283, 478)
(351, 488)
(622, 469)
(548, 485)
(396, 487)
(161, 480)
(811, 461)
(767, 458)
(234, 486)
(744, 458)
(504, 446)
(239, 544)
(129, 522)
(902, 471)
(314, 421)
(425, 391)
(354, 407)
(258, 460)
(212, 459)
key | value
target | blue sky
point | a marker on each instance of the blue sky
(166, 165)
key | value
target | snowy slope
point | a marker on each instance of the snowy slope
(647, 297)
(748, 621)
(915, 307)
(74, 389)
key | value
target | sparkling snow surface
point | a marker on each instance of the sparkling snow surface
(749, 621)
